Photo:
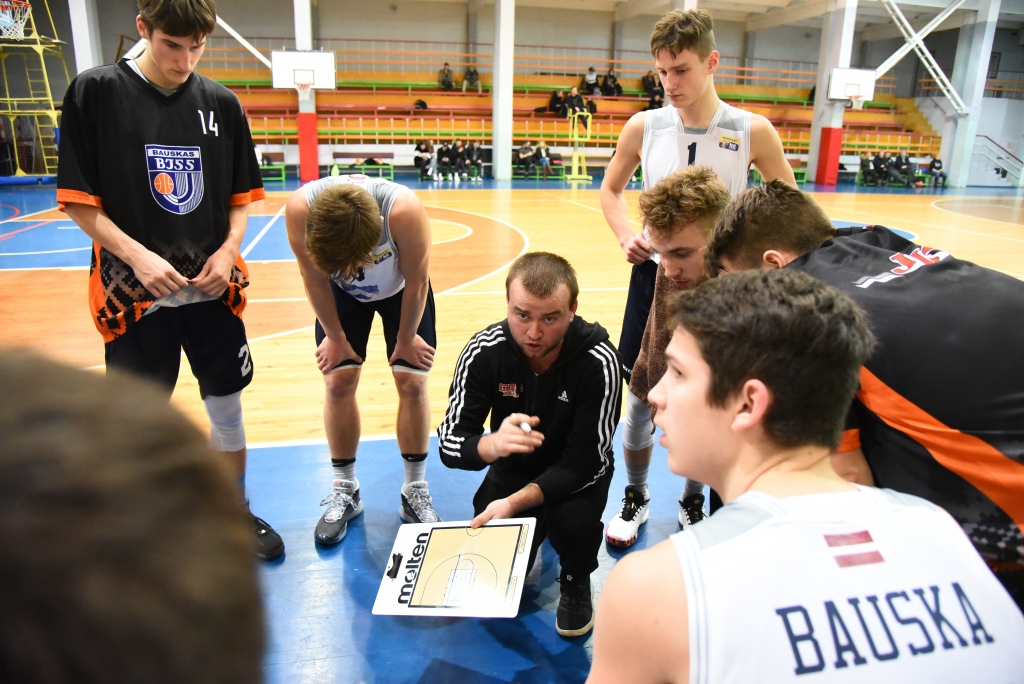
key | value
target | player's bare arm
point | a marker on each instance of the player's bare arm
(852, 467)
(153, 271)
(216, 273)
(643, 637)
(510, 438)
(410, 229)
(613, 198)
(335, 347)
(526, 498)
(766, 152)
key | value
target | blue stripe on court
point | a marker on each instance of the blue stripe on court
(319, 600)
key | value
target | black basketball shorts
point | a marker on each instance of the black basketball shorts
(213, 339)
(356, 318)
(638, 308)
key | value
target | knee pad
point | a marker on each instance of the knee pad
(638, 431)
(227, 431)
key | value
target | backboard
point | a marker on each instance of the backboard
(847, 83)
(315, 67)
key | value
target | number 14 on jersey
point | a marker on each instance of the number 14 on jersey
(211, 127)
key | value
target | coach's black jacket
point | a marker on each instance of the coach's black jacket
(577, 400)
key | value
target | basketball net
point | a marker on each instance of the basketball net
(13, 15)
(857, 102)
(305, 89)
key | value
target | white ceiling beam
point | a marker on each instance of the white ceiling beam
(787, 16)
(635, 8)
(890, 30)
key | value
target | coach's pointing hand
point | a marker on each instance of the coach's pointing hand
(511, 438)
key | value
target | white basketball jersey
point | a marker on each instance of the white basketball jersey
(866, 586)
(724, 146)
(381, 278)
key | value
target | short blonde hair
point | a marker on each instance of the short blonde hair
(692, 195)
(342, 228)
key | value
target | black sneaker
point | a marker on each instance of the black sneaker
(343, 504)
(575, 616)
(269, 544)
(691, 510)
(417, 506)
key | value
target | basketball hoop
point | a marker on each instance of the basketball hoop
(858, 102)
(13, 15)
(305, 90)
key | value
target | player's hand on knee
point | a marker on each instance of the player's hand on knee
(637, 249)
(332, 352)
(157, 275)
(496, 510)
(511, 438)
(415, 351)
(216, 274)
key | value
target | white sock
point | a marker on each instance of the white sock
(345, 470)
(415, 471)
(637, 477)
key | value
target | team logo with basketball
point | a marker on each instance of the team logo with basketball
(725, 142)
(175, 177)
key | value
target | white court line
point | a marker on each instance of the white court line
(22, 217)
(48, 251)
(276, 300)
(932, 225)
(263, 232)
(68, 227)
(599, 211)
(469, 231)
(957, 213)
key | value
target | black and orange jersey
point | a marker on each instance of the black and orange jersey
(165, 169)
(940, 409)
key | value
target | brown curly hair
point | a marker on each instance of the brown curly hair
(692, 195)
(343, 227)
(684, 30)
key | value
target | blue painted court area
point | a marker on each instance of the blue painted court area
(319, 599)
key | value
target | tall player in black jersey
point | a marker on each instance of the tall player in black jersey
(940, 410)
(157, 166)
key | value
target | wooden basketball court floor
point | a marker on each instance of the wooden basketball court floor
(318, 600)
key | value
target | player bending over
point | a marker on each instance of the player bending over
(940, 412)
(164, 194)
(801, 572)
(695, 128)
(551, 384)
(679, 213)
(363, 247)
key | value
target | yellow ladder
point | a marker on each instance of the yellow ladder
(579, 159)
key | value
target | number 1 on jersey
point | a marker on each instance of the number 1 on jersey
(691, 148)
(215, 128)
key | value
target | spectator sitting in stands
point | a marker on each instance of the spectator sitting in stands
(590, 83)
(543, 158)
(574, 103)
(936, 172)
(424, 159)
(649, 83)
(611, 84)
(472, 79)
(910, 169)
(459, 157)
(525, 159)
(444, 162)
(657, 101)
(557, 103)
(878, 163)
(445, 78)
(901, 162)
(475, 158)
(867, 170)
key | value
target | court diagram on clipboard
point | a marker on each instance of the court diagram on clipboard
(451, 569)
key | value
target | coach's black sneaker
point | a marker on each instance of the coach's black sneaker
(416, 504)
(691, 510)
(575, 616)
(343, 504)
(269, 544)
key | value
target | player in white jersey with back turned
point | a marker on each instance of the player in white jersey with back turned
(801, 572)
(363, 247)
(695, 127)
